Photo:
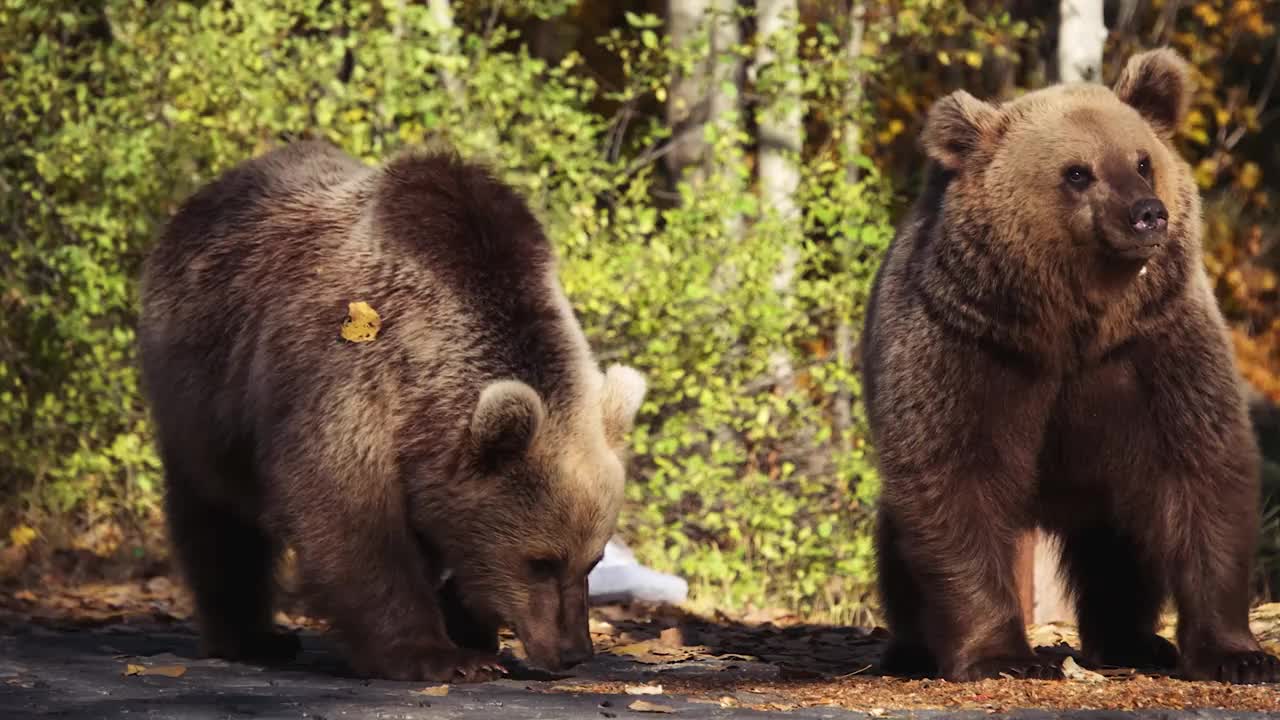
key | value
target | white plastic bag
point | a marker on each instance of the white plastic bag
(619, 579)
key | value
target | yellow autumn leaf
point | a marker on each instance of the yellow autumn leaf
(1207, 14)
(645, 706)
(434, 691)
(22, 536)
(944, 57)
(1206, 172)
(1250, 175)
(973, 59)
(1255, 24)
(362, 323)
(171, 671)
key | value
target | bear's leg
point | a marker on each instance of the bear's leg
(362, 564)
(464, 628)
(228, 565)
(1211, 563)
(1118, 597)
(907, 653)
(960, 552)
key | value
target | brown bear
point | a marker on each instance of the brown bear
(461, 470)
(1043, 349)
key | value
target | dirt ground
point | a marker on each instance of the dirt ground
(651, 658)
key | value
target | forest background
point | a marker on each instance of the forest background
(720, 179)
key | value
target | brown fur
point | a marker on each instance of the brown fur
(474, 436)
(1032, 359)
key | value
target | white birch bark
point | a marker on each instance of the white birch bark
(1081, 35)
(852, 136)
(442, 16)
(781, 137)
(701, 97)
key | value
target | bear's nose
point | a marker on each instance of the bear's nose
(1148, 215)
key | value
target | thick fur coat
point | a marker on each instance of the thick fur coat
(1043, 349)
(473, 437)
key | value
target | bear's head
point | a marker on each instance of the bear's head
(549, 486)
(1075, 174)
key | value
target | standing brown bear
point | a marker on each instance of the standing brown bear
(473, 437)
(1043, 349)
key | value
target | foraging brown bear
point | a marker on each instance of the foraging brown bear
(1043, 348)
(474, 437)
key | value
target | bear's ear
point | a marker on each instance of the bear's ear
(957, 125)
(1157, 84)
(505, 421)
(623, 392)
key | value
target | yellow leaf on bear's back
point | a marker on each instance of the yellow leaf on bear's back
(362, 323)
(22, 535)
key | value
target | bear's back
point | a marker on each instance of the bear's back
(247, 290)
(256, 189)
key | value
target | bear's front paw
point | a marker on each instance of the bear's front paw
(265, 647)
(1144, 651)
(907, 659)
(1244, 667)
(434, 664)
(1019, 667)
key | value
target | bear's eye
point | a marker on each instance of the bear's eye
(1078, 176)
(1144, 167)
(544, 567)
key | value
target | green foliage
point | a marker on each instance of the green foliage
(747, 487)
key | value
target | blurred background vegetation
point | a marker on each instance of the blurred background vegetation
(720, 178)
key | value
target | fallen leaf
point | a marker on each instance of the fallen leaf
(640, 648)
(362, 323)
(655, 652)
(646, 706)
(672, 637)
(644, 689)
(172, 671)
(25, 596)
(436, 691)
(1072, 671)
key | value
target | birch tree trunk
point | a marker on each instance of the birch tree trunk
(1081, 37)
(852, 135)
(781, 134)
(781, 137)
(442, 15)
(701, 97)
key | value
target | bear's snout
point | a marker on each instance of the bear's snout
(1148, 216)
(575, 653)
(557, 648)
